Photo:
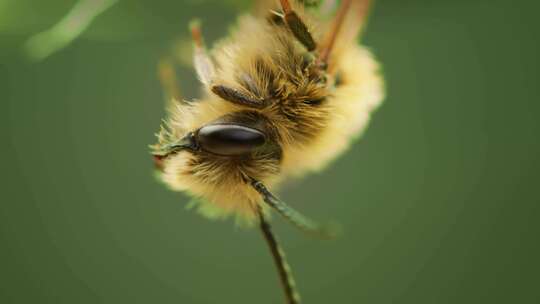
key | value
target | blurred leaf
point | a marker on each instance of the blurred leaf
(27, 16)
(71, 26)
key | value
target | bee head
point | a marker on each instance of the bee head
(243, 134)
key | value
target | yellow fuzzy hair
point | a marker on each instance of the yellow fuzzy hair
(309, 141)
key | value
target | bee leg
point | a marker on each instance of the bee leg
(294, 217)
(201, 60)
(168, 80)
(328, 6)
(297, 26)
(358, 9)
(284, 270)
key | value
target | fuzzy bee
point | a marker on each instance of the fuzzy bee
(283, 95)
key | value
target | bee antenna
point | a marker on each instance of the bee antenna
(327, 231)
(297, 26)
(284, 270)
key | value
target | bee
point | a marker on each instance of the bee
(282, 96)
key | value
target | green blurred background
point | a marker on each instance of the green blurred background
(439, 199)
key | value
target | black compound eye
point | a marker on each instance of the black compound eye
(229, 139)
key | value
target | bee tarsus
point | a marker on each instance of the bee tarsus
(294, 217)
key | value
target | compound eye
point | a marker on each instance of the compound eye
(229, 139)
